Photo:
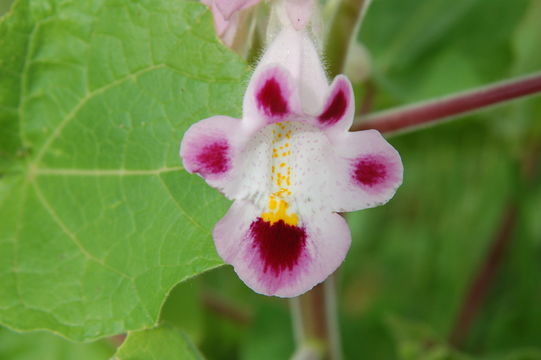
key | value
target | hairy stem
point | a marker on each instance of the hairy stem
(315, 323)
(433, 111)
(343, 29)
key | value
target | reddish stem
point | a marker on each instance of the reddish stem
(406, 117)
(480, 285)
(224, 308)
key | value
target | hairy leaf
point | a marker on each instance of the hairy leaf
(98, 221)
(44, 346)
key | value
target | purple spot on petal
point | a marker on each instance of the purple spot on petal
(271, 100)
(213, 158)
(280, 245)
(335, 109)
(370, 170)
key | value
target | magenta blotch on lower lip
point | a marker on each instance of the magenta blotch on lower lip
(280, 245)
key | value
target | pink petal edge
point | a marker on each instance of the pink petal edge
(327, 241)
(209, 148)
(370, 171)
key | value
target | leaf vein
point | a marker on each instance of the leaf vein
(70, 234)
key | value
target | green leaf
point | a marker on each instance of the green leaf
(4, 6)
(184, 309)
(527, 56)
(163, 342)
(98, 219)
(270, 336)
(43, 346)
(422, 45)
(417, 341)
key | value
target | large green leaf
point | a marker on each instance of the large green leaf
(98, 221)
(163, 342)
(44, 346)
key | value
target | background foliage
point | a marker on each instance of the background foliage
(101, 92)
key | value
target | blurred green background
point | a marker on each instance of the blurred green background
(413, 262)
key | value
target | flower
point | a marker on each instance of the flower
(225, 13)
(226, 17)
(290, 165)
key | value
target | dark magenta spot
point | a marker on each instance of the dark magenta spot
(280, 245)
(213, 158)
(271, 100)
(370, 171)
(336, 109)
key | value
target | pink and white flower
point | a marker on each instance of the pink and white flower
(290, 165)
(226, 14)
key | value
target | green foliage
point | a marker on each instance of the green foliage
(417, 256)
(429, 48)
(99, 221)
(163, 342)
(44, 346)
(417, 341)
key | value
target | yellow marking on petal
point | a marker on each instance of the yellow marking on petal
(279, 200)
(280, 213)
(272, 203)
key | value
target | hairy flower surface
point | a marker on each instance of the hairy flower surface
(290, 165)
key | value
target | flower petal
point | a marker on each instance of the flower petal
(294, 51)
(228, 7)
(270, 98)
(340, 107)
(220, 22)
(299, 12)
(280, 259)
(210, 147)
(370, 171)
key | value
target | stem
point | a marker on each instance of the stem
(368, 98)
(408, 117)
(315, 323)
(215, 303)
(244, 33)
(478, 290)
(344, 27)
